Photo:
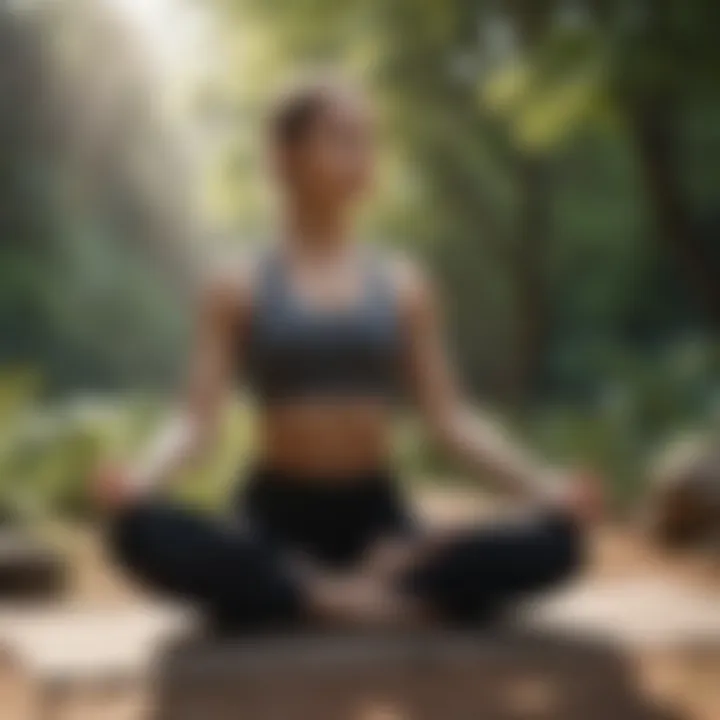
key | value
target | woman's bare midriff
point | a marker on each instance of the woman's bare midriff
(331, 440)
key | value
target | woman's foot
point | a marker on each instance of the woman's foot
(360, 600)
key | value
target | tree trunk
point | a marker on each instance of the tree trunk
(530, 264)
(652, 109)
(656, 140)
(532, 235)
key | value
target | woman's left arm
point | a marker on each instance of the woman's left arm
(467, 434)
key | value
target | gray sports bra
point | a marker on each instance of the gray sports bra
(296, 351)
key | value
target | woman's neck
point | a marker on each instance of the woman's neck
(320, 231)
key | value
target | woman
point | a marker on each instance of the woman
(327, 333)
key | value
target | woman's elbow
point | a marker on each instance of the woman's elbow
(445, 428)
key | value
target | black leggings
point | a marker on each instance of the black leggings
(241, 570)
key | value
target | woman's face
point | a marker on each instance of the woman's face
(332, 162)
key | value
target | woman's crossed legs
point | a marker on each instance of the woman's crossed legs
(241, 578)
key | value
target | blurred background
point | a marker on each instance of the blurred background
(556, 162)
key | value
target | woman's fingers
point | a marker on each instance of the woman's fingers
(111, 488)
(585, 497)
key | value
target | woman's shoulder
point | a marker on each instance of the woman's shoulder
(408, 275)
(229, 277)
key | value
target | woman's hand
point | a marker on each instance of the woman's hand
(112, 487)
(581, 495)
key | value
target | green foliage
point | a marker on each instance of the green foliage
(642, 407)
(49, 450)
(550, 92)
(81, 291)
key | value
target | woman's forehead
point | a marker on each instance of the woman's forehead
(349, 107)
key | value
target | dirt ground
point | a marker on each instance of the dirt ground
(687, 682)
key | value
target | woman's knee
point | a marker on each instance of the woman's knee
(566, 549)
(132, 537)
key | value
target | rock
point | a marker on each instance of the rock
(684, 504)
(502, 675)
(28, 568)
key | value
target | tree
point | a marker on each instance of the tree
(643, 63)
(93, 214)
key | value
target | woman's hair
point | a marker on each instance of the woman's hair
(298, 106)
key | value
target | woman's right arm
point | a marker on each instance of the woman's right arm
(221, 318)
